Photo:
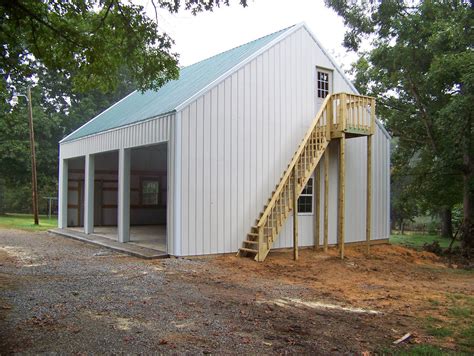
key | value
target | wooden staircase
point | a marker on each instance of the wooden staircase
(341, 116)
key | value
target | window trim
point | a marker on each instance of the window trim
(318, 81)
(152, 179)
(312, 199)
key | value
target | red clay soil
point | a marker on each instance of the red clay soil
(407, 286)
(63, 296)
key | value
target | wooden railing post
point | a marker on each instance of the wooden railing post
(261, 250)
(295, 214)
(326, 199)
(329, 117)
(372, 116)
(343, 104)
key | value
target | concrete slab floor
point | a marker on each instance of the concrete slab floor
(128, 248)
(149, 236)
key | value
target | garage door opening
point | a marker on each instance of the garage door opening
(148, 196)
(75, 192)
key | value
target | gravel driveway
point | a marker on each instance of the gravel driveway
(61, 295)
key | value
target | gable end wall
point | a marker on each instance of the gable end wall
(238, 138)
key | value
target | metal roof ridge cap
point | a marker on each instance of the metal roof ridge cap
(286, 33)
(159, 116)
(95, 117)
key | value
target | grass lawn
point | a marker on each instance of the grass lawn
(26, 222)
(417, 241)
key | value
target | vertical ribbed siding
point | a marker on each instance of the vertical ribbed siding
(139, 134)
(238, 139)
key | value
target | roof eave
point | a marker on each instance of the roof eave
(117, 128)
(95, 117)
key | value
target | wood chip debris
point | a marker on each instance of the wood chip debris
(402, 339)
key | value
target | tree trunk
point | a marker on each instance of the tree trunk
(468, 205)
(467, 228)
(446, 222)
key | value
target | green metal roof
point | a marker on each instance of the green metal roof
(139, 106)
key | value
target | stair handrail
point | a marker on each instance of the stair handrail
(295, 158)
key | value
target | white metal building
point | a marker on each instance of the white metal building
(197, 160)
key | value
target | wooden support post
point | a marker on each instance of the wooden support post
(342, 178)
(34, 180)
(261, 250)
(295, 214)
(329, 118)
(326, 199)
(317, 206)
(368, 226)
(372, 115)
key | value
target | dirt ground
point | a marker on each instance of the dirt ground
(60, 295)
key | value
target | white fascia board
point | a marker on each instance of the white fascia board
(95, 117)
(234, 69)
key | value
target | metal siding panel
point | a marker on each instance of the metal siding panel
(241, 148)
(169, 198)
(192, 179)
(272, 121)
(123, 137)
(271, 96)
(215, 133)
(227, 188)
(234, 168)
(254, 157)
(199, 178)
(247, 147)
(185, 232)
(206, 197)
(261, 142)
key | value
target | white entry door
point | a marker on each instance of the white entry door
(323, 85)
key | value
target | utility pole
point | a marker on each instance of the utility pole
(34, 182)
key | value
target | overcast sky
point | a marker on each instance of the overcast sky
(199, 37)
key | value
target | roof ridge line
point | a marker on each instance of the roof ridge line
(284, 32)
(243, 44)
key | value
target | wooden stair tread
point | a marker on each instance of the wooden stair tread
(304, 161)
(248, 250)
(251, 242)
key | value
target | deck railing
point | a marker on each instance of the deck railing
(353, 114)
(340, 114)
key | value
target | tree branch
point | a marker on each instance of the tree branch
(102, 20)
(48, 25)
(424, 115)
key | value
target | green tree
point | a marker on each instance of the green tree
(81, 56)
(421, 69)
(89, 41)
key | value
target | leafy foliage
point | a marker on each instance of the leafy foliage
(80, 56)
(421, 69)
